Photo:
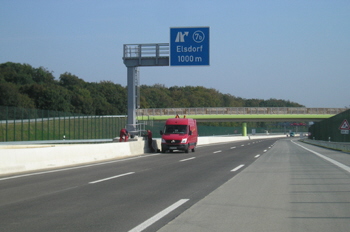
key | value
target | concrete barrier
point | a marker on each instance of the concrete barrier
(14, 159)
(223, 139)
(331, 145)
(24, 158)
(205, 140)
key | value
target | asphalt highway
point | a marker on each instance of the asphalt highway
(292, 187)
(263, 185)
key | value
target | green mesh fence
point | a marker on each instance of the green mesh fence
(20, 124)
(205, 130)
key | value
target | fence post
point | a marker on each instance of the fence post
(14, 124)
(59, 125)
(69, 131)
(7, 123)
(78, 125)
(48, 125)
(64, 123)
(22, 125)
(42, 124)
(74, 126)
(53, 115)
(29, 124)
(35, 124)
(91, 128)
(83, 127)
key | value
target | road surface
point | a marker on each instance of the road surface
(264, 185)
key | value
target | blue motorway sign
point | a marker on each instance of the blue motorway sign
(189, 46)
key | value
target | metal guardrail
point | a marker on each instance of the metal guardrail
(239, 110)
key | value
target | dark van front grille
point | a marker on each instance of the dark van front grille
(172, 141)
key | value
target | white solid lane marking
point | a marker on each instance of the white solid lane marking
(187, 159)
(257, 156)
(112, 177)
(238, 167)
(343, 166)
(158, 216)
(217, 151)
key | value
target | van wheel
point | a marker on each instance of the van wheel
(192, 149)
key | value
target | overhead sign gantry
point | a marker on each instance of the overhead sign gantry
(136, 55)
(188, 46)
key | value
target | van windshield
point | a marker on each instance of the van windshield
(175, 129)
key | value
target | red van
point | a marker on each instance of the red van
(179, 134)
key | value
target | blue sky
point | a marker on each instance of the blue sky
(297, 50)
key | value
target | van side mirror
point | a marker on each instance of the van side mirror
(161, 132)
(190, 133)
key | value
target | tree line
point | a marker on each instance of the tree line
(22, 85)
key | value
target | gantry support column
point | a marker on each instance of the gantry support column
(132, 72)
(244, 129)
